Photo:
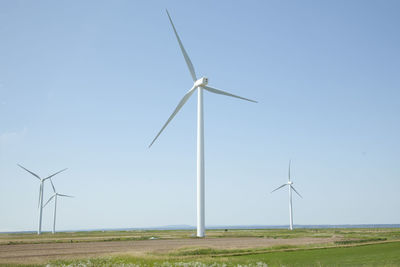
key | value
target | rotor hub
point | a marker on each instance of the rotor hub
(203, 81)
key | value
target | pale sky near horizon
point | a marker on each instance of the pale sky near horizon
(86, 85)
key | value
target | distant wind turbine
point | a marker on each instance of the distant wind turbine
(290, 184)
(56, 194)
(200, 85)
(40, 205)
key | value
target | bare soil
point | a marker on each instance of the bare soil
(42, 253)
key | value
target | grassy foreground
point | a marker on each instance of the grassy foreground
(382, 254)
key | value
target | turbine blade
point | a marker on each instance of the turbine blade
(34, 174)
(49, 200)
(296, 192)
(289, 169)
(178, 107)
(185, 55)
(279, 187)
(220, 92)
(64, 195)
(54, 174)
(52, 185)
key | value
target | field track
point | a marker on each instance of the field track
(41, 253)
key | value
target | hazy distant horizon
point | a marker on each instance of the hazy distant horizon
(215, 227)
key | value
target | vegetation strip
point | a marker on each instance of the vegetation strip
(302, 249)
(204, 252)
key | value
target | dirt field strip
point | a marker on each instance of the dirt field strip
(65, 239)
(41, 253)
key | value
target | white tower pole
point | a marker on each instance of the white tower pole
(290, 207)
(40, 207)
(55, 213)
(200, 165)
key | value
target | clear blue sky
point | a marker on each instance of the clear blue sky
(88, 84)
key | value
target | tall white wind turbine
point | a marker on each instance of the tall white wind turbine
(55, 195)
(40, 205)
(200, 85)
(290, 184)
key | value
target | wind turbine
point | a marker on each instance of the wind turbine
(56, 194)
(290, 184)
(200, 85)
(40, 205)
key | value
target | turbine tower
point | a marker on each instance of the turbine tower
(290, 184)
(56, 194)
(200, 85)
(40, 205)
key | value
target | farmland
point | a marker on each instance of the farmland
(272, 247)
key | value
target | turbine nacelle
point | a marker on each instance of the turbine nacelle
(203, 81)
(290, 183)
